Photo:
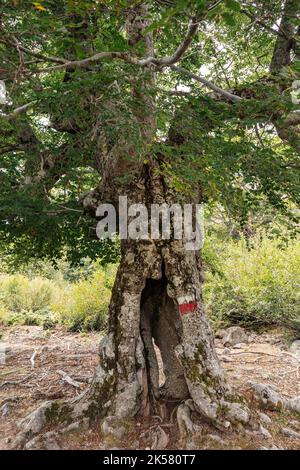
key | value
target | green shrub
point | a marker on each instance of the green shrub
(18, 293)
(83, 306)
(25, 301)
(255, 287)
(4, 313)
(44, 318)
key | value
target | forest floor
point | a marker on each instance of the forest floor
(33, 368)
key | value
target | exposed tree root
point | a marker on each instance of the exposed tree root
(82, 411)
(68, 416)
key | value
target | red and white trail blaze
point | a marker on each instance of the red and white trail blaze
(187, 305)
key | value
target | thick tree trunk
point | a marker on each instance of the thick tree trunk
(153, 281)
(157, 316)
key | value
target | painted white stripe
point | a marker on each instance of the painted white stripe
(185, 299)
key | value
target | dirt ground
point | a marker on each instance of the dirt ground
(33, 368)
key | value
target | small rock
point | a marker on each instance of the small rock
(239, 346)
(234, 335)
(34, 422)
(185, 424)
(237, 413)
(4, 348)
(252, 338)
(4, 410)
(290, 433)
(264, 418)
(38, 334)
(264, 432)
(295, 347)
(44, 442)
(160, 439)
(267, 397)
(111, 425)
(82, 425)
(294, 404)
(226, 359)
(220, 333)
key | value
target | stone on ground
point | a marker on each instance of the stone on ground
(234, 335)
(267, 397)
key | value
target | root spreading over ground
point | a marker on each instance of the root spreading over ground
(40, 366)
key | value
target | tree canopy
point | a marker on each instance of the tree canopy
(226, 110)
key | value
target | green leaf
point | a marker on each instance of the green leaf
(200, 4)
(229, 19)
(233, 5)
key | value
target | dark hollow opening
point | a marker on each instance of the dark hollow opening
(161, 331)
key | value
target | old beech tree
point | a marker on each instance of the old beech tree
(164, 102)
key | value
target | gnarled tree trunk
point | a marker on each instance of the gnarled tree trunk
(157, 315)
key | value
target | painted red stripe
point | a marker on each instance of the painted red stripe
(188, 307)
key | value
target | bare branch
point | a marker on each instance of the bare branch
(226, 94)
(38, 55)
(74, 64)
(16, 112)
(66, 378)
(163, 61)
(181, 49)
(262, 23)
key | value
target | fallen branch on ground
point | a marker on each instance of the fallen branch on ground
(16, 382)
(32, 359)
(66, 378)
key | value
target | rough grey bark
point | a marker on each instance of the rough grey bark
(285, 41)
(153, 276)
(287, 127)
